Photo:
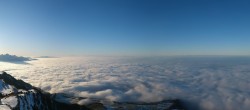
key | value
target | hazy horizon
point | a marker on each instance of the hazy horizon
(128, 55)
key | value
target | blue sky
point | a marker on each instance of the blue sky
(125, 27)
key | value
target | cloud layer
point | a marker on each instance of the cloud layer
(208, 83)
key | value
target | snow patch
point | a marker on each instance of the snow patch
(11, 101)
(5, 89)
(4, 107)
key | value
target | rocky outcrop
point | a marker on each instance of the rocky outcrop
(19, 95)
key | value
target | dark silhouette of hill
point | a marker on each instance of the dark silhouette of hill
(14, 59)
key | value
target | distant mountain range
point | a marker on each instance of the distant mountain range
(19, 95)
(13, 58)
(47, 57)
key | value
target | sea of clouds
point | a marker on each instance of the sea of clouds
(206, 83)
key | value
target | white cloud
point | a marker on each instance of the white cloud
(204, 83)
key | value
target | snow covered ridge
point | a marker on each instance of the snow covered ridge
(19, 95)
(13, 58)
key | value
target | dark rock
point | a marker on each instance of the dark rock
(19, 84)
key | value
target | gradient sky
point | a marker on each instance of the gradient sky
(125, 27)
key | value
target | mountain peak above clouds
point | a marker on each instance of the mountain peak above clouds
(14, 58)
